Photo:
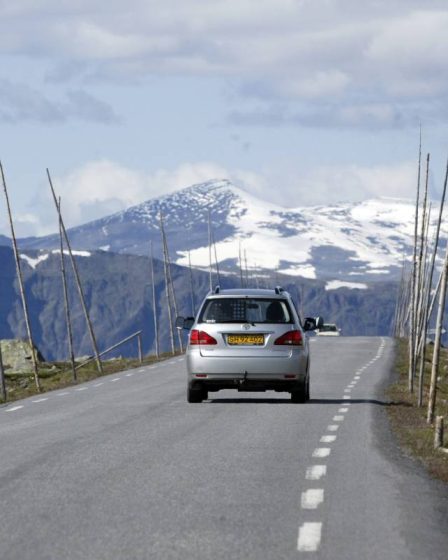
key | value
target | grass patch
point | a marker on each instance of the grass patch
(408, 420)
(58, 375)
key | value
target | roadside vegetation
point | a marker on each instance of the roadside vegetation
(409, 421)
(58, 375)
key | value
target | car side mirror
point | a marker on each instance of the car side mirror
(184, 322)
(313, 323)
(309, 324)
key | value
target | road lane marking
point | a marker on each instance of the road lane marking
(129, 374)
(64, 394)
(316, 472)
(312, 498)
(338, 418)
(343, 409)
(99, 384)
(348, 390)
(346, 397)
(333, 428)
(327, 439)
(309, 537)
(81, 389)
(115, 379)
(321, 452)
(13, 408)
(41, 400)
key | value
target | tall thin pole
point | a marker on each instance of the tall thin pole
(154, 304)
(210, 252)
(3, 392)
(241, 265)
(172, 290)
(412, 333)
(437, 339)
(77, 278)
(167, 289)
(193, 304)
(216, 259)
(66, 303)
(21, 286)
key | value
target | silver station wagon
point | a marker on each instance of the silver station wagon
(248, 340)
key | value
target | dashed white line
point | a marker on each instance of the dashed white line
(40, 400)
(309, 537)
(115, 379)
(81, 389)
(312, 498)
(321, 452)
(13, 408)
(64, 394)
(333, 428)
(346, 397)
(343, 409)
(327, 439)
(338, 418)
(129, 374)
(99, 384)
(316, 472)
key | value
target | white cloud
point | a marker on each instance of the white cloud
(380, 59)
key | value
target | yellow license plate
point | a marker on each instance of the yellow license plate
(245, 339)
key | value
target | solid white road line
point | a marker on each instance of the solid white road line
(13, 408)
(321, 452)
(316, 472)
(309, 537)
(312, 498)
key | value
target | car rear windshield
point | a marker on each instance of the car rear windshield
(245, 310)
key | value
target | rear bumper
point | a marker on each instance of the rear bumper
(254, 371)
(295, 363)
(248, 385)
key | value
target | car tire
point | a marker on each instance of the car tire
(300, 395)
(196, 395)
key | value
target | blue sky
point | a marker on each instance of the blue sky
(299, 102)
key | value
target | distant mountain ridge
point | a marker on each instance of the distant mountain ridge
(360, 241)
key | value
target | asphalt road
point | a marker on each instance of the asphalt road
(124, 468)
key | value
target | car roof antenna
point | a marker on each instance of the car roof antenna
(217, 290)
(279, 290)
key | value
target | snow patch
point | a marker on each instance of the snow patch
(336, 284)
(33, 262)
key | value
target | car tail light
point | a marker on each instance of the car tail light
(291, 338)
(201, 337)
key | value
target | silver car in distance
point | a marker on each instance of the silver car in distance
(248, 340)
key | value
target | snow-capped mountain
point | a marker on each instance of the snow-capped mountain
(351, 242)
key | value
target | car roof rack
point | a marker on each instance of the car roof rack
(217, 289)
(279, 290)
